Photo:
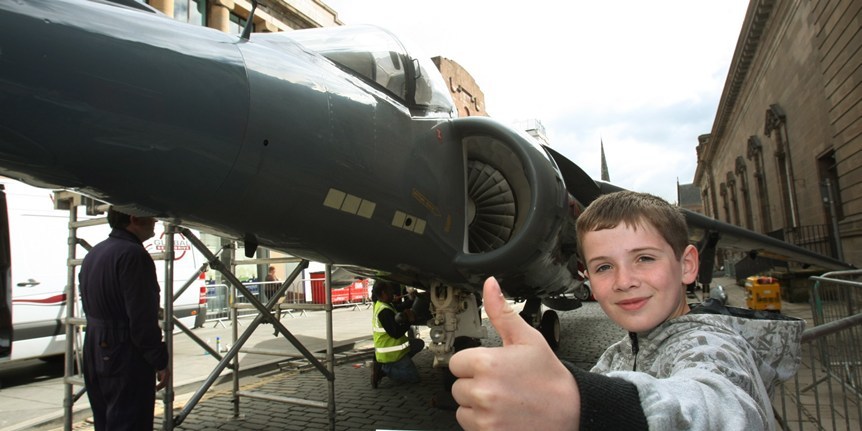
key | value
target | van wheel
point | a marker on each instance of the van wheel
(59, 361)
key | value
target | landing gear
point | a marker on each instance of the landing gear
(550, 328)
(456, 314)
(443, 399)
(548, 324)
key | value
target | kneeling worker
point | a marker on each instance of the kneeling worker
(393, 349)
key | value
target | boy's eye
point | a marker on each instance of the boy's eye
(645, 258)
(602, 268)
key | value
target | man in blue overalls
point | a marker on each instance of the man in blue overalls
(124, 355)
(393, 349)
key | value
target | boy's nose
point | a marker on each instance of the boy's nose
(625, 279)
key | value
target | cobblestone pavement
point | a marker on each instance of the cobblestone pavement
(586, 332)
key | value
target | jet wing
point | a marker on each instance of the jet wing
(709, 234)
(755, 244)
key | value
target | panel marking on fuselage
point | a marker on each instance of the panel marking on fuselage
(422, 199)
(336, 199)
(366, 209)
(351, 204)
(419, 227)
(408, 222)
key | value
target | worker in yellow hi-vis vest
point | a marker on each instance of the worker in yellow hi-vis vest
(393, 348)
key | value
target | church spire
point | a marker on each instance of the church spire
(605, 175)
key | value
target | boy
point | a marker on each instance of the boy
(704, 367)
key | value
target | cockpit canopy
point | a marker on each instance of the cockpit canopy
(378, 57)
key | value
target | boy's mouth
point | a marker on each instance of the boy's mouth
(632, 304)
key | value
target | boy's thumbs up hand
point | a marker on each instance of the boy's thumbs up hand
(511, 327)
(521, 385)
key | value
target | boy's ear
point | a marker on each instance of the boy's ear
(690, 264)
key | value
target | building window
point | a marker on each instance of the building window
(831, 197)
(723, 192)
(713, 198)
(827, 167)
(776, 121)
(755, 154)
(731, 189)
(191, 11)
(704, 196)
(741, 173)
(237, 24)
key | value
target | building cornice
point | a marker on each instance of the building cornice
(750, 39)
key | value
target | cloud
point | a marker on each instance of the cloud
(646, 149)
(645, 77)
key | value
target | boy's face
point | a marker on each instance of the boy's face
(635, 276)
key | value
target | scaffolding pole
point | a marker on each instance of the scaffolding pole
(168, 324)
(330, 351)
(264, 314)
(73, 324)
(72, 321)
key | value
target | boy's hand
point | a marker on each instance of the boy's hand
(519, 386)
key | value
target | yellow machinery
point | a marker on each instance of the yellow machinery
(762, 293)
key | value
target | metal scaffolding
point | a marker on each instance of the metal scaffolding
(75, 322)
(265, 314)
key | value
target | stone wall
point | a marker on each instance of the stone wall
(790, 117)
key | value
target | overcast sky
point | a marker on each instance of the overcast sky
(645, 77)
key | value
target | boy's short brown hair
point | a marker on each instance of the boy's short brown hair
(635, 209)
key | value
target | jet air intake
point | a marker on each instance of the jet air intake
(491, 209)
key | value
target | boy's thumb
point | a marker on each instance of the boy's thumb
(511, 327)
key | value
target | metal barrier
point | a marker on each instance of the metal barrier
(826, 393)
(218, 298)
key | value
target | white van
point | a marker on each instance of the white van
(38, 252)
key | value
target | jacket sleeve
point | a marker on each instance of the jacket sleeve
(608, 403)
(141, 291)
(711, 383)
(393, 328)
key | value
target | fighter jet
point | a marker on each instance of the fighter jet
(337, 145)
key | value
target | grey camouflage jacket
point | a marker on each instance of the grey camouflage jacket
(713, 368)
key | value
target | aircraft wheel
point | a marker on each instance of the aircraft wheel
(590, 296)
(460, 344)
(550, 328)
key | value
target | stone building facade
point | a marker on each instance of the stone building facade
(231, 15)
(467, 95)
(688, 197)
(784, 156)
